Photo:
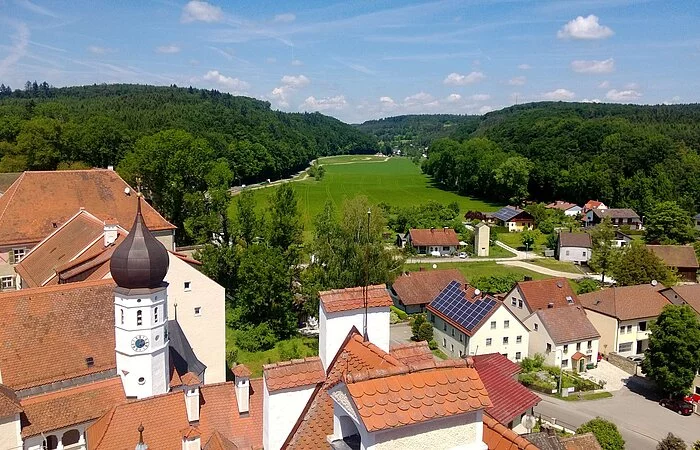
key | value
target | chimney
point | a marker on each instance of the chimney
(191, 439)
(242, 377)
(191, 383)
(550, 305)
(110, 232)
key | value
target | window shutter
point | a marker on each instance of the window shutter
(12, 256)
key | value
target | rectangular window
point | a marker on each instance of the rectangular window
(537, 327)
(518, 339)
(445, 249)
(642, 326)
(7, 282)
(629, 328)
(578, 346)
(197, 310)
(432, 318)
(565, 363)
(444, 326)
(452, 348)
(460, 353)
(622, 330)
(506, 324)
(488, 341)
(188, 286)
(518, 355)
(584, 254)
(590, 345)
(549, 348)
(493, 324)
(566, 348)
(155, 314)
(520, 304)
(18, 254)
(624, 347)
(139, 317)
(567, 253)
(513, 301)
(444, 342)
(453, 332)
(122, 316)
(505, 340)
(461, 336)
(505, 354)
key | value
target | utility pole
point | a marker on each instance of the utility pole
(366, 284)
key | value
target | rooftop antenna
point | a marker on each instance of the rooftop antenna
(366, 286)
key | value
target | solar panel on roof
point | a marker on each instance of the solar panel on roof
(506, 213)
(452, 303)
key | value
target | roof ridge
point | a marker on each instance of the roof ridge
(55, 288)
(378, 351)
(291, 362)
(371, 374)
(9, 199)
(110, 415)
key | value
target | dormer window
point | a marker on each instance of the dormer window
(139, 317)
(17, 255)
(6, 282)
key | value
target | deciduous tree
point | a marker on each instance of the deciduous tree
(604, 254)
(605, 432)
(668, 223)
(636, 264)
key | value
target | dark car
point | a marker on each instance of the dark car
(678, 405)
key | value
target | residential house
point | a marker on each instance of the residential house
(514, 219)
(468, 322)
(428, 241)
(621, 239)
(565, 337)
(622, 316)
(684, 294)
(682, 258)
(570, 209)
(529, 296)
(593, 204)
(574, 247)
(37, 203)
(618, 217)
(412, 291)
(511, 400)
(475, 216)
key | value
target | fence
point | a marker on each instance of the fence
(623, 363)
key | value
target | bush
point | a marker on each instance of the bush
(605, 432)
(671, 442)
(393, 317)
(587, 285)
(533, 363)
(418, 320)
(432, 344)
(399, 312)
(231, 356)
(291, 349)
(255, 339)
(425, 332)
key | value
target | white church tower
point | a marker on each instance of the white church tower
(138, 266)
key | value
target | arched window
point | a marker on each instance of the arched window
(139, 317)
(155, 314)
(122, 313)
(70, 437)
(51, 443)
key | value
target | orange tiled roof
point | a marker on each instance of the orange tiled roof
(412, 352)
(418, 288)
(539, 293)
(348, 299)
(567, 324)
(56, 195)
(191, 432)
(394, 397)
(294, 373)
(627, 302)
(48, 332)
(421, 237)
(190, 379)
(560, 204)
(48, 412)
(9, 403)
(499, 437)
(218, 442)
(241, 370)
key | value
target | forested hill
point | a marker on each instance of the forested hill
(625, 155)
(42, 127)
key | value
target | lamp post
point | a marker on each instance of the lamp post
(561, 359)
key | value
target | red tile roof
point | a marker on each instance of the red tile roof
(585, 441)
(218, 442)
(294, 373)
(682, 256)
(593, 204)
(48, 332)
(538, 294)
(577, 356)
(559, 204)
(433, 236)
(190, 379)
(348, 299)
(55, 196)
(627, 302)
(567, 324)
(394, 397)
(420, 288)
(60, 409)
(412, 352)
(242, 371)
(500, 437)
(510, 398)
(219, 412)
(9, 403)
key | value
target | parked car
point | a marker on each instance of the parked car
(692, 398)
(636, 358)
(435, 254)
(463, 255)
(677, 405)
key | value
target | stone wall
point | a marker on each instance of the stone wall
(622, 362)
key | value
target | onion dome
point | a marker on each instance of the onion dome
(140, 261)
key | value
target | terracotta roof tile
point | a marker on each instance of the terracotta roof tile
(577, 356)
(48, 332)
(241, 370)
(499, 437)
(412, 352)
(190, 379)
(559, 204)
(56, 195)
(676, 255)
(616, 213)
(348, 299)
(48, 412)
(567, 324)
(575, 240)
(218, 442)
(540, 293)
(190, 432)
(435, 236)
(627, 302)
(419, 288)
(294, 373)
(9, 403)
(585, 441)
(593, 204)
(689, 293)
(510, 398)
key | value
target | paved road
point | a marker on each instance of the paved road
(543, 270)
(400, 333)
(641, 421)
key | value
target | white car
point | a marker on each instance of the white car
(463, 255)
(435, 254)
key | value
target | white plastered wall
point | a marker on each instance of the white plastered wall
(281, 409)
(477, 343)
(10, 432)
(606, 327)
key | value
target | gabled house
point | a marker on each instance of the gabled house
(570, 209)
(529, 296)
(622, 315)
(618, 217)
(621, 239)
(514, 219)
(682, 258)
(684, 294)
(593, 204)
(412, 291)
(428, 241)
(467, 322)
(574, 247)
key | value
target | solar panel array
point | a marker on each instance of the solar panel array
(452, 303)
(506, 213)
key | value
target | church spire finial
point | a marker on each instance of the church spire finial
(141, 445)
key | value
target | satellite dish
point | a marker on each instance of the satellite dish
(434, 266)
(127, 191)
(477, 292)
(654, 282)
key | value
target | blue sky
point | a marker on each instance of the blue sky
(358, 60)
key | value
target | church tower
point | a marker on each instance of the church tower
(138, 266)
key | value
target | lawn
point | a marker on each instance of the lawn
(562, 266)
(496, 252)
(397, 182)
(515, 240)
(473, 270)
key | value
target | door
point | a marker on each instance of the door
(582, 364)
(640, 350)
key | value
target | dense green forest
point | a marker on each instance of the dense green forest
(625, 155)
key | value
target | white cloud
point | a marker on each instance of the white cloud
(559, 94)
(485, 109)
(296, 82)
(676, 98)
(387, 100)
(592, 100)
(453, 98)
(593, 66)
(281, 96)
(20, 41)
(297, 62)
(480, 97)
(632, 86)
(201, 11)
(585, 28)
(457, 79)
(284, 18)
(524, 67)
(97, 50)
(517, 81)
(421, 99)
(232, 84)
(604, 85)
(168, 49)
(621, 96)
(321, 104)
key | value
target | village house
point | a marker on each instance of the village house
(684, 294)
(621, 239)
(443, 241)
(593, 204)
(622, 316)
(412, 291)
(574, 247)
(467, 322)
(682, 258)
(529, 296)
(618, 217)
(570, 209)
(514, 219)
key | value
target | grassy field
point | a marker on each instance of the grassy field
(562, 266)
(397, 182)
(473, 270)
(497, 252)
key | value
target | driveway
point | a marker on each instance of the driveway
(614, 377)
(400, 333)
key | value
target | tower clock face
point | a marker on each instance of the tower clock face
(139, 343)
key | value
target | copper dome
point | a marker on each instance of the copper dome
(140, 261)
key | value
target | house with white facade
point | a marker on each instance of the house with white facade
(443, 241)
(574, 247)
(412, 291)
(467, 322)
(569, 209)
(514, 219)
(622, 316)
(529, 296)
